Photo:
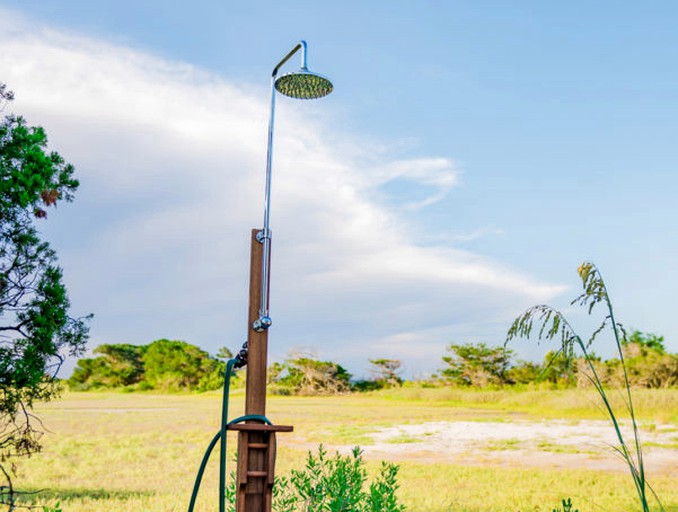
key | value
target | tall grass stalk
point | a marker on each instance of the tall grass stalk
(554, 326)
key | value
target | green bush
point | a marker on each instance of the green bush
(338, 484)
(333, 484)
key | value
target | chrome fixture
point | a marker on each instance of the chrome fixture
(304, 85)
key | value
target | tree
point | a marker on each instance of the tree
(525, 372)
(647, 362)
(118, 365)
(387, 372)
(168, 365)
(643, 342)
(224, 354)
(172, 365)
(476, 364)
(309, 376)
(35, 327)
(559, 369)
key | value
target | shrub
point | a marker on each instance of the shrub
(338, 484)
(333, 484)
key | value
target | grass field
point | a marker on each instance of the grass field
(139, 452)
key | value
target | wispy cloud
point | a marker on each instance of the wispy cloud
(436, 175)
(477, 234)
(171, 162)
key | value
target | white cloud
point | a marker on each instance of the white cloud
(171, 160)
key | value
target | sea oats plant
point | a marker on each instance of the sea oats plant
(567, 507)
(552, 325)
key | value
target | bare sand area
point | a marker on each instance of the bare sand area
(553, 443)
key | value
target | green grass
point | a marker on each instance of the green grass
(500, 489)
(404, 439)
(547, 446)
(504, 445)
(121, 451)
(671, 445)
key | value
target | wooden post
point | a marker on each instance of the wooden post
(256, 442)
(257, 342)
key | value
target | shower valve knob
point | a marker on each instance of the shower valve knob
(262, 323)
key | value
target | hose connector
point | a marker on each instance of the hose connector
(241, 357)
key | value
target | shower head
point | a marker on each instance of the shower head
(303, 85)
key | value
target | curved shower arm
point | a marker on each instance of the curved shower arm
(302, 46)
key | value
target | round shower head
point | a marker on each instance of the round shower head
(303, 85)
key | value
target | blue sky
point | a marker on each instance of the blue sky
(471, 156)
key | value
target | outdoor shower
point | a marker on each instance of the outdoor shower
(256, 434)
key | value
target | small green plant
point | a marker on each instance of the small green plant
(55, 508)
(553, 325)
(567, 507)
(333, 484)
(337, 484)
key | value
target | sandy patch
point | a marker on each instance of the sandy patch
(553, 443)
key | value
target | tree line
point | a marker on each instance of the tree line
(647, 363)
(171, 365)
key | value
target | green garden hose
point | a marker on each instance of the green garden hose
(239, 360)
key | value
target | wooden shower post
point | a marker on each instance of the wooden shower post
(256, 441)
(257, 342)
